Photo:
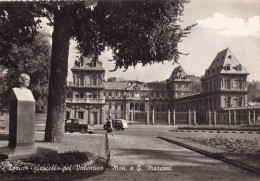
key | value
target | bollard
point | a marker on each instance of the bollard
(194, 118)
(249, 122)
(229, 117)
(132, 116)
(235, 118)
(254, 117)
(153, 118)
(215, 117)
(169, 117)
(147, 118)
(174, 117)
(209, 117)
(189, 118)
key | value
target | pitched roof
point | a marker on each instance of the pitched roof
(179, 75)
(224, 63)
(86, 64)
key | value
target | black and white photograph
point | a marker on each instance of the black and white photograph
(135, 90)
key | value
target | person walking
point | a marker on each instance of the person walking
(110, 126)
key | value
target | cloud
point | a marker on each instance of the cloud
(232, 27)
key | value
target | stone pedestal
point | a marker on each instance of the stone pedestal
(22, 127)
(21, 123)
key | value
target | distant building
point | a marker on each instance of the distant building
(223, 87)
(115, 79)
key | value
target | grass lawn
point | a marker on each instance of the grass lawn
(80, 156)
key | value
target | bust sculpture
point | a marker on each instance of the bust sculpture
(21, 92)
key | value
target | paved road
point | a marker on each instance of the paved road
(150, 158)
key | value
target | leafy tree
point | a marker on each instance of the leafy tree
(142, 31)
(33, 59)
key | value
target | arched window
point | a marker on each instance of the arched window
(132, 106)
(141, 107)
(137, 107)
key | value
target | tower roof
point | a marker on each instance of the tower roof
(179, 75)
(224, 63)
(87, 64)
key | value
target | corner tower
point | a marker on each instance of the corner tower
(179, 83)
(226, 78)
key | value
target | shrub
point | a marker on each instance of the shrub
(61, 159)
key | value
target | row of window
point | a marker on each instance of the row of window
(119, 94)
(226, 67)
(226, 84)
(83, 81)
(235, 102)
(138, 107)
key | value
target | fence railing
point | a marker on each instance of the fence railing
(191, 117)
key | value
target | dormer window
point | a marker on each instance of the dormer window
(222, 57)
(228, 67)
(229, 56)
(239, 67)
(94, 63)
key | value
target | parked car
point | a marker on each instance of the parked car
(76, 125)
(117, 124)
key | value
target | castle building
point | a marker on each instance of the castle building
(223, 86)
(93, 99)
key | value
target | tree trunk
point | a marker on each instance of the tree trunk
(54, 129)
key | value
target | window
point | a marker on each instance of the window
(80, 115)
(81, 81)
(228, 102)
(215, 84)
(228, 67)
(239, 84)
(240, 102)
(94, 95)
(157, 94)
(239, 67)
(94, 81)
(228, 84)
(67, 114)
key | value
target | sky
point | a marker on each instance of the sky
(220, 24)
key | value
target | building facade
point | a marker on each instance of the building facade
(87, 100)
(93, 99)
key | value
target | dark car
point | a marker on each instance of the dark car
(76, 125)
(117, 123)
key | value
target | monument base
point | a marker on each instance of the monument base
(24, 152)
